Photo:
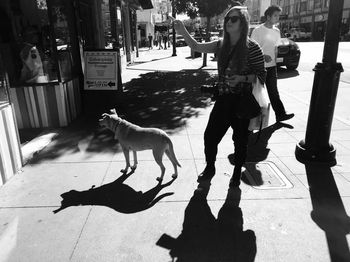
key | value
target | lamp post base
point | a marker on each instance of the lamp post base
(324, 156)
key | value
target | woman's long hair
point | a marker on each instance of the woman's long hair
(241, 51)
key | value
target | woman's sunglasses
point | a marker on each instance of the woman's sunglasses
(233, 19)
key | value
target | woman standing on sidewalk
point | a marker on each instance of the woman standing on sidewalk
(240, 63)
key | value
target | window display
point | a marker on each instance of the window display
(33, 44)
(39, 46)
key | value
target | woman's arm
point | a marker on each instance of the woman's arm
(208, 47)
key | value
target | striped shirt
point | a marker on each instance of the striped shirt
(255, 63)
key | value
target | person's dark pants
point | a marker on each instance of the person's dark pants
(221, 118)
(271, 86)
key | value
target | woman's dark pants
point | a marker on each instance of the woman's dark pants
(221, 118)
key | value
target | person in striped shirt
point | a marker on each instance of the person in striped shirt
(240, 64)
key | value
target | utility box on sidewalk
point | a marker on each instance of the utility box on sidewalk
(195, 54)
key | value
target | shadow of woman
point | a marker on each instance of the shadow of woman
(204, 238)
(258, 151)
(235, 244)
(116, 195)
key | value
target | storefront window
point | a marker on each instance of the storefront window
(27, 48)
(65, 37)
(37, 44)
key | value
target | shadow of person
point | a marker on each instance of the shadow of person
(258, 151)
(235, 244)
(328, 211)
(206, 239)
(116, 195)
(198, 239)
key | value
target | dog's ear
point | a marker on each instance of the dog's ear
(106, 115)
(113, 111)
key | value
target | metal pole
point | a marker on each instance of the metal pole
(174, 33)
(316, 147)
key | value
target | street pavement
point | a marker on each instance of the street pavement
(71, 203)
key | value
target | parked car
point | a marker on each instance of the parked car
(298, 34)
(288, 52)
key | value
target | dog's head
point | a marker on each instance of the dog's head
(109, 120)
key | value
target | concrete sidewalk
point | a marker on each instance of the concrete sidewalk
(284, 211)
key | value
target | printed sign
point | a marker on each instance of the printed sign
(101, 70)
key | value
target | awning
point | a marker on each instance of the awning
(137, 4)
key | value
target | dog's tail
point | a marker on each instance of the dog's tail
(172, 153)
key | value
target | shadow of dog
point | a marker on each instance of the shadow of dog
(116, 195)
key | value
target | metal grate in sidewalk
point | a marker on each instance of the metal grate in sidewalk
(265, 175)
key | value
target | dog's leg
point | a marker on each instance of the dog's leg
(173, 161)
(135, 160)
(158, 155)
(127, 159)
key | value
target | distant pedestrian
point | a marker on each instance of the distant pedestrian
(268, 37)
(159, 39)
(165, 40)
(150, 41)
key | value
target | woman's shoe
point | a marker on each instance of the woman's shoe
(207, 174)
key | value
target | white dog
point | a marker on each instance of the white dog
(136, 138)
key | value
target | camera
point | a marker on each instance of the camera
(211, 89)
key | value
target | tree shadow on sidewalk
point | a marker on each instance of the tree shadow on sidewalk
(159, 99)
(116, 195)
(82, 140)
(204, 238)
(258, 151)
(328, 211)
(165, 99)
